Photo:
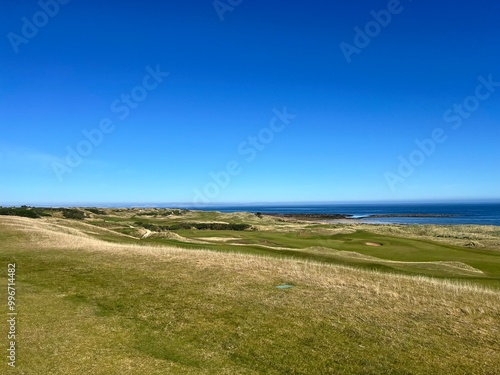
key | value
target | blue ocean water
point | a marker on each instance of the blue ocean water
(459, 213)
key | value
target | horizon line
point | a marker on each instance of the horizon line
(242, 204)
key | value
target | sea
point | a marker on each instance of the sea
(484, 213)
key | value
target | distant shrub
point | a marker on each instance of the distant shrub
(238, 227)
(178, 226)
(172, 212)
(23, 211)
(96, 211)
(200, 226)
(209, 226)
(180, 212)
(72, 213)
(147, 213)
(151, 226)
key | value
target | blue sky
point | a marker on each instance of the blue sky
(261, 103)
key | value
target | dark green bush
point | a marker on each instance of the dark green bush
(96, 211)
(200, 226)
(23, 211)
(72, 213)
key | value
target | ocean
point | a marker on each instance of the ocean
(452, 213)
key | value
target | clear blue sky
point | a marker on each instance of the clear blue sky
(355, 104)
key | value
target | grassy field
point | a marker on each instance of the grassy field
(106, 295)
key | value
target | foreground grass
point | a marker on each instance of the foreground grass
(93, 307)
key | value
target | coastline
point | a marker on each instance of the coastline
(411, 213)
(351, 219)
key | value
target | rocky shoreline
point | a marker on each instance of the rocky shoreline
(408, 215)
(312, 216)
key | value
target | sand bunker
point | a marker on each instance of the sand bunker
(373, 244)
